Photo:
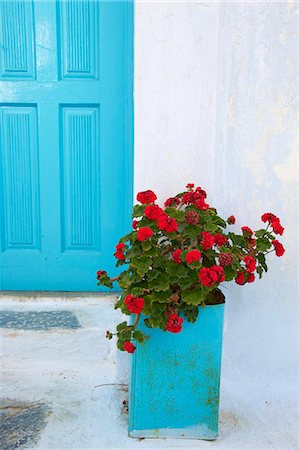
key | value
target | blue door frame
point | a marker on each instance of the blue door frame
(66, 159)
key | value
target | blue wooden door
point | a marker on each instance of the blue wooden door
(66, 140)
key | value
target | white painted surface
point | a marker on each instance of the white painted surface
(214, 104)
(215, 87)
(72, 372)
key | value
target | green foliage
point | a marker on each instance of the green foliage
(171, 286)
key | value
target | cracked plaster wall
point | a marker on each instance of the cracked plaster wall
(215, 89)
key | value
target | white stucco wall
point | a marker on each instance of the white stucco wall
(215, 105)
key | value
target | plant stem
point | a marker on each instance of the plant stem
(114, 279)
(136, 320)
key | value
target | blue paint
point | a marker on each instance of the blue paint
(66, 134)
(175, 379)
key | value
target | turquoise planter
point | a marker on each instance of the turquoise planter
(174, 390)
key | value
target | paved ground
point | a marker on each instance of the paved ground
(63, 386)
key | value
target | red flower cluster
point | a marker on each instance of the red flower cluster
(146, 197)
(144, 233)
(193, 256)
(201, 204)
(279, 248)
(250, 278)
(225, 259)
(208, 240)
(192, 217)
(176, 255)
(135, 224)
(231, 220)
(172, 201)
(211, 275)
(152, 212)
(129, 347)
(220, 239)
(119, 254)
(274, 221)
(247, 232)
(134, 304)
(101, 273)
(190, 186)
(174, 324)
(167, 223)
(241, 278)
(250, 263)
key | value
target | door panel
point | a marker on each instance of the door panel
(66, 119)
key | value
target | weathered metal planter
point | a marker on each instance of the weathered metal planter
(175, 378)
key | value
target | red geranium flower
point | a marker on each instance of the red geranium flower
(277, 228)
(231, 220)
(208, 240)
(129, 347)
(268, 217)
(220, 239)
(120, 246)
(240, 278)
(152, 212)
(144, 233)
(172, 201)
(192, 217)
(146, 197)
(101, 273)
(135, 224)
(176, 255)
(251, 278)
(225, 259)
(190, 186)
(174, 324)
(210, 275)
(250, 263)
(167, 224)
(193, 256)
(134, 304)
(279, 248)
(201, 204)
(119, 255)
(247, 232)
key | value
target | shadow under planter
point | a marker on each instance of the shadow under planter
(175, 378)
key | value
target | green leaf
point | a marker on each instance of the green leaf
(194, 296)
(146, 245)
(191, 312)
(179, 216)
(191, 231)
(121, 326)
(237, 239)
(147, 323)
(220, 222)
(138, 210)
(177, 270)
(185, 283)
(126, 238)
(155, 297)
(262, 260)
(141, 264)
(152, 274)
(263, 244)
(139, 336)
(210, 227)
(259, 271)
(125, 280)
(230, 273)
(161, 283)
(260, 233)
(137, 291)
